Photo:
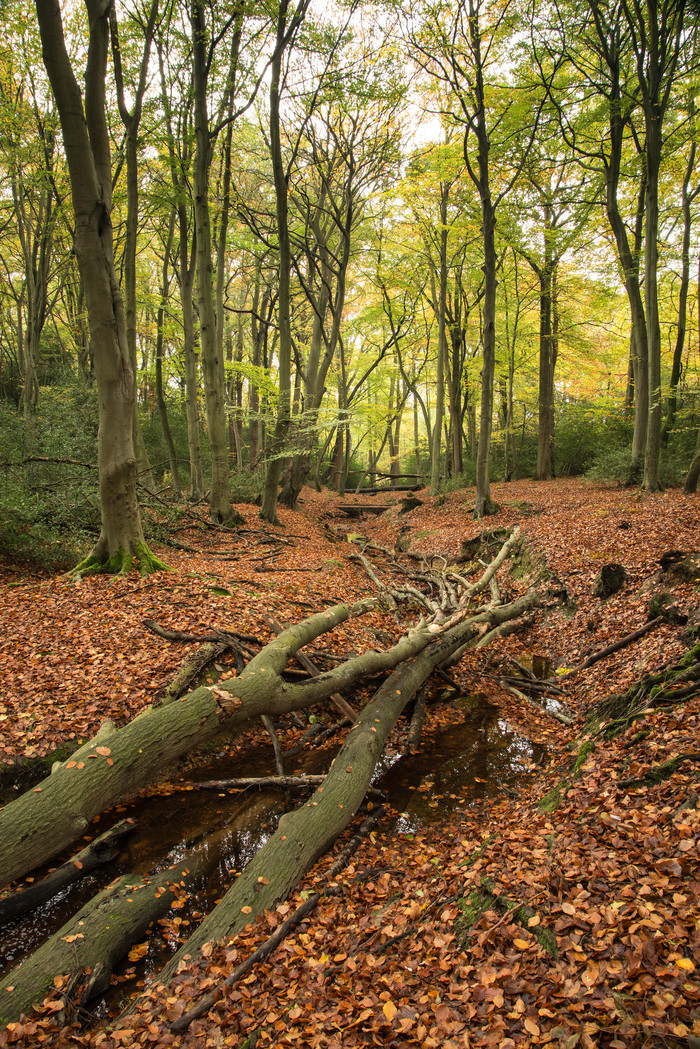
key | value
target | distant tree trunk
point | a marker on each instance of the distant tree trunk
(35, 229)
(268, 511)
(220, 509)
(160, 397)
(687, 199)
(87, 146)
(132, 121)
(691, 480)
(191, 370)
(440, 300)
(483, 504)
(629, 264)
(651, 300)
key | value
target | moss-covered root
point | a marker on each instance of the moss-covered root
(121, 563)
(552, 800)
(658, 773)
(486, 898)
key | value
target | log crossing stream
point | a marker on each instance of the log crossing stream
(476, 758)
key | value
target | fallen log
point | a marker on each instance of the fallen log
(88, 946)
(310, 667)
(45, 820)
(359, 509)
(291, 922)
(99, 935)
(42, 822)
(128, 756)
(304, 834)
(96, 854)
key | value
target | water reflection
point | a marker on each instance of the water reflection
(478, 757)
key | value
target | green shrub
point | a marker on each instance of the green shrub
(592, 439)
(49, 510)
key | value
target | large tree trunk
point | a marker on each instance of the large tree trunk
(100, 934)
(131, 121)
(98, 774)
(87, 146)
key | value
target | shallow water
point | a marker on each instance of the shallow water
(476, 758)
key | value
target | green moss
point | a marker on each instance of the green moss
(551, 800)
(121, 563)
(471, 908)
(586, 748)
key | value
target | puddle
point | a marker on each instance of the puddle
(479, 757)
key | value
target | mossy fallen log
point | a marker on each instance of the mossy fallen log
(304, 834)
(99, 935)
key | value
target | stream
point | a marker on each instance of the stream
(475, 759)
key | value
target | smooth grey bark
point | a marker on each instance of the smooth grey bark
(441, 301)
(656, 35)
(185, 264)
(688, 196)
(220, 509)
(132, 121)
(34, 204)
(273, 473)
(691, 480)
(87, 146)
(483, 504)
(160, 352)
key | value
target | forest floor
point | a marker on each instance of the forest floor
(426, 942)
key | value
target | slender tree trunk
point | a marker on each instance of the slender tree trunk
(132, 121)
(687, 199)
(691, 479)
(651, 301)
(212, 361)
(435, 446)
(160, 348)
(268, 511)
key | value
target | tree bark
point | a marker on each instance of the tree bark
(302, 836)
(220, 509)
(484, 505)
(87, 145)
(101, 933)
(132, 121)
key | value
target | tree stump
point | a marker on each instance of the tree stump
(609, 580)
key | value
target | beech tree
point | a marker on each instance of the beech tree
(88, 155)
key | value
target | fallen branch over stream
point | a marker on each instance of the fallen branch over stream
(272, 942)
(35, 826)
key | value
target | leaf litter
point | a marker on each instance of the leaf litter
(436, 938)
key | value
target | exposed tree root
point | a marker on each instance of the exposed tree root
(121, 563)
(485, 898)
(674, 684)
(658, 773)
